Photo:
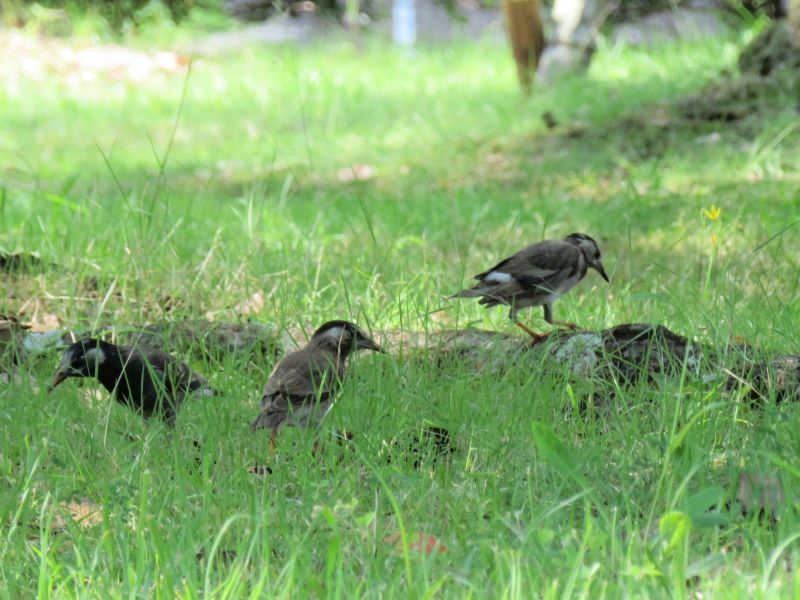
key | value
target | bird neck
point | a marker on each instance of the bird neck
(338, 354)
(583, 266)
(110, 371)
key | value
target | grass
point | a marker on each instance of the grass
(154, 207)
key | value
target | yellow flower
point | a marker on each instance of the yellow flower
(713, 240)
(713, 212)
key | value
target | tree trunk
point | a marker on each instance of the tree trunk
(525, 31)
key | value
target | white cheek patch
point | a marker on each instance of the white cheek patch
(335, 333)
(95, 356)
(498, 277)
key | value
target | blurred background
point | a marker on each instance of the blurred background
(293, 161)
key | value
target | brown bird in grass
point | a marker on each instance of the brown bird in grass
(151, 382)
(537, 276)
(303, 385)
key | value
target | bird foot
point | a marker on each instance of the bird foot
(537, 337)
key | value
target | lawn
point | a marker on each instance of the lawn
(296, 185)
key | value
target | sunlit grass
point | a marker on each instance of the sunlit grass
(539, 498)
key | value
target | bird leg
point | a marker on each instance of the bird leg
(273, 438)
(548, 316)
(536, 336)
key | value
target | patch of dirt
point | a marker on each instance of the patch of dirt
(770, 73)
(83, 512)
(769, 82)
(648, 133)
(732, 100)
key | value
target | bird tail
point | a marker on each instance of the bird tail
(473, 292)
(490, 301)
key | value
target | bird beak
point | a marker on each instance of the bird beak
(368, 344)
(60, 376)
(599, 268)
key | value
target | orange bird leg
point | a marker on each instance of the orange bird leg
(536, 336)
(548, 316)
(273, 438)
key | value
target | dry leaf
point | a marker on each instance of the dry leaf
(46, 322)
(254, 304)
(84, 512)
(417, 542)
(40, 321)
(356, 173)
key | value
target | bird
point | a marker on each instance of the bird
(151, 382)
(302, 387)
(537, 275)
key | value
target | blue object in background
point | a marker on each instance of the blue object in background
(404, 22)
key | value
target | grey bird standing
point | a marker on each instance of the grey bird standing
(303, 385)
(151, 382)
(537, 276)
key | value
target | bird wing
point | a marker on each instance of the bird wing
(537, 261)
(301, 375)
(182, 381)
(539, 267)
(168, 374)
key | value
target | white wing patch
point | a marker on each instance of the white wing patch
(497, 277)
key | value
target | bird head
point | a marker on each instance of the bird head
(81, 359)
(590, 250)
(344, 337)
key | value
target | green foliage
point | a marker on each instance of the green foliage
(117, 13)
(633, 9)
